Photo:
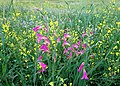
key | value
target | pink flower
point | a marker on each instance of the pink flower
(69, 48)
(55, 59)
(44, 48)
(84, 46)
(43, 65)
(91, 33)
(36, 28)
(40, 37)
(92, 56)
(46, 29)
(70, 55)
(58, 40)
(75, 46)
(81, 67)
(66, 36)
(80, 52)
(47, 41)
(85, 75)
(79, 43)
(84, 34)
(40, 57)
(65, 43)
(65, 51)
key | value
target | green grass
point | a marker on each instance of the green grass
(19, 50)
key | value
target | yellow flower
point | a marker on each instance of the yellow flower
(34, 17)
(118, 42)
(70, 84)
(115, 47)
(79, 21)
(117, 53)
(64, 85)
(51, 83)
(113, 1)
(40, 76)
(118, 70)
(51, 23)
(56, 23)
(92, 42)
(118, 23)
(28, 52)
(0, 44)
(24, 49)
(12, 45)
(109, 68)
(33, 34)
(5, 27)
(32, 58)
(118, 8)
(21, 53)
(61, 79)
(24, 32)
(26, 60)
(17, 14)
(109, 31)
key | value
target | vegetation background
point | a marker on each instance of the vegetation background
(19, 50)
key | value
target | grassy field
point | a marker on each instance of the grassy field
(60, 43)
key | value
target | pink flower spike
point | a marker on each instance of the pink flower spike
(85, 75)
(40, 57)
(40, 37)
(36, 28)
(65, 43)
(81, 67)
(58, 40)
(84, 34)
(84, 46)
(44, 48)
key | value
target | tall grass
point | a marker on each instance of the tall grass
(20, 50)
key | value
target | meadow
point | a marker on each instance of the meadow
(59, 43)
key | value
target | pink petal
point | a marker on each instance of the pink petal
(66, 36)
(44, 48)
(81, 67)
(75, 46)
(84, 46)
(79, 43)
(85, 75)
(58, 40)
(65, 43)
(65, 51)
(40, 57)
(84, 34)
(80, 52)
(43, 65)
(36, 28)
(69, 48)
(46, 29)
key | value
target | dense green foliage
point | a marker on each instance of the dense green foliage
(19, 50)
